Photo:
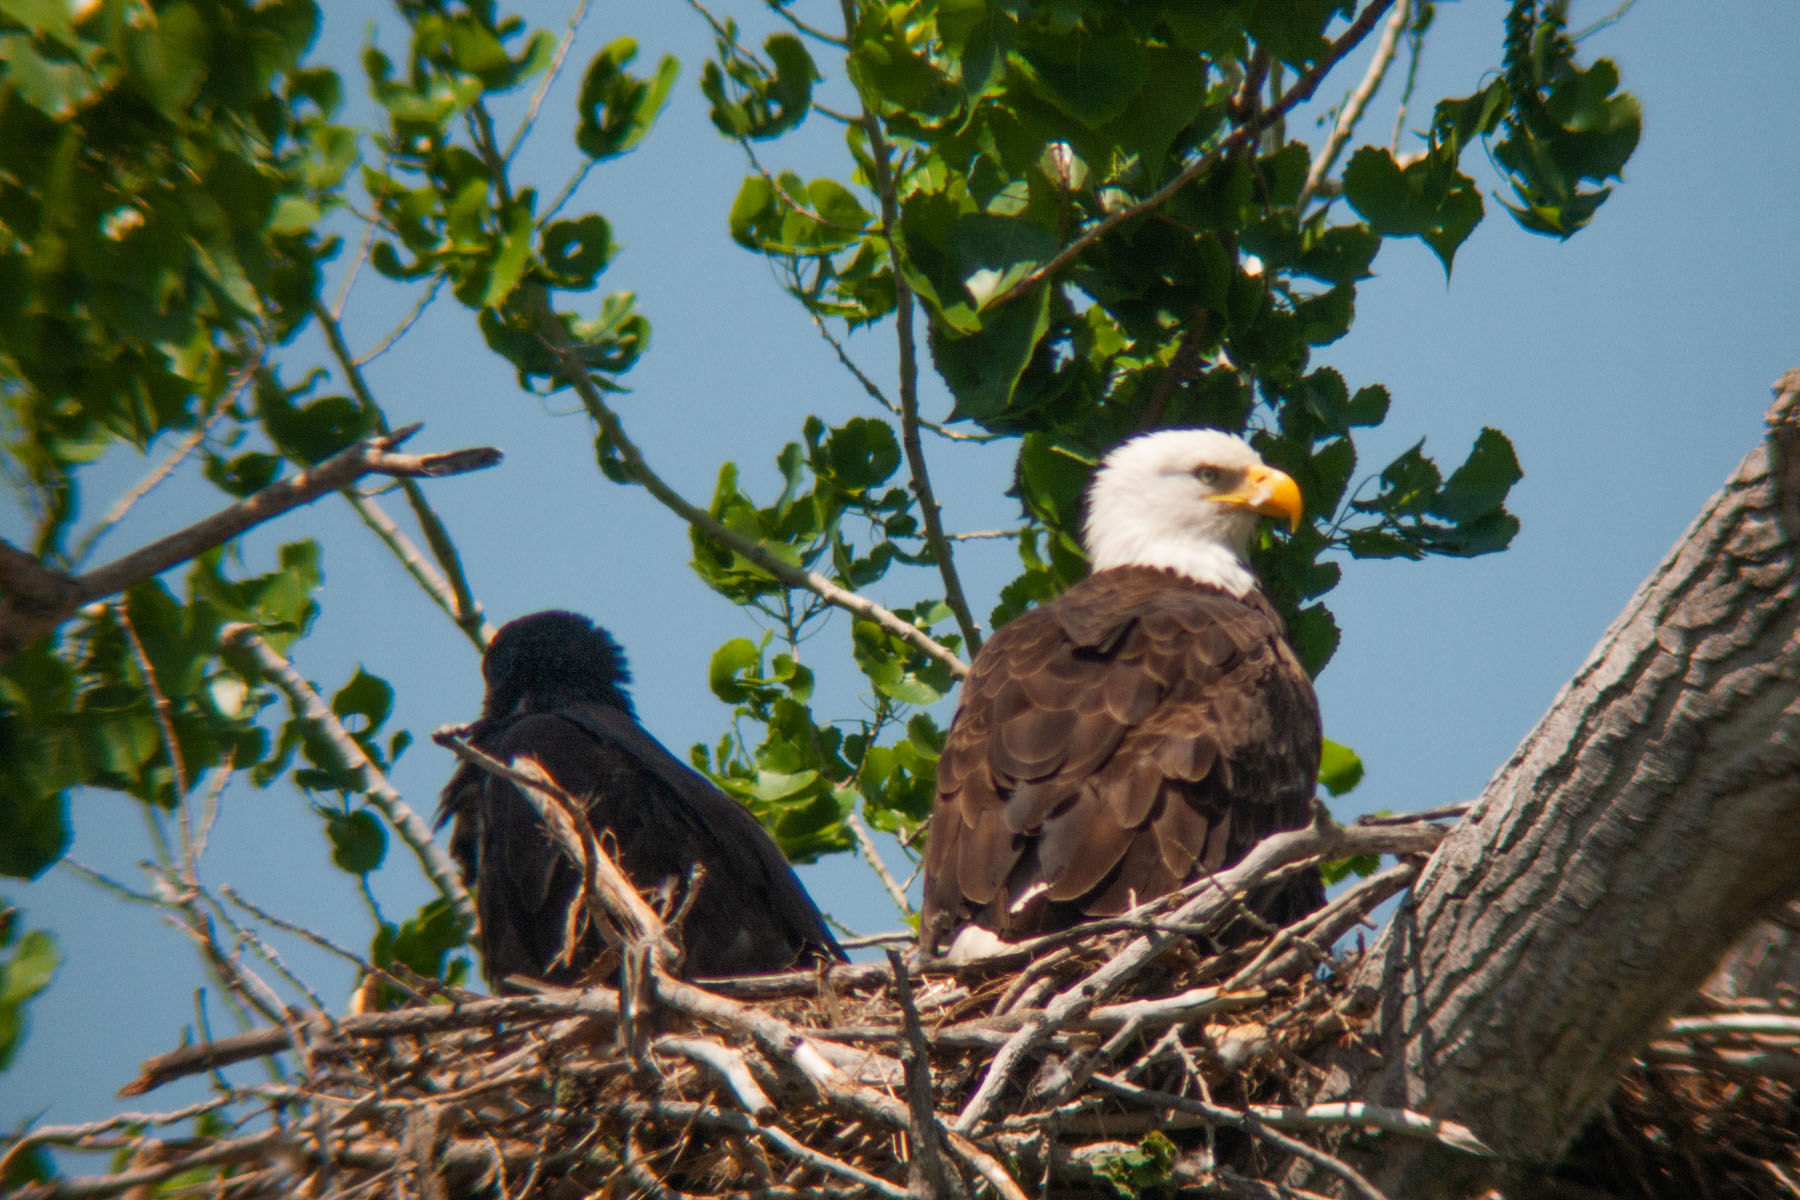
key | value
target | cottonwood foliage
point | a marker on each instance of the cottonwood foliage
(1086, 217)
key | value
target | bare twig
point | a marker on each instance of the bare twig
(886, 192)
(122, 508)
(1252, 1123)
(38, 598)
(1357, 103)
(159, 705)
(930, 1175)
(423, 572)
(1733, 1025)
(596, 1002)
(1323, 839)
(543, 88)
(465, 612)
(619, 913)
(728, 1065)
(865, 845)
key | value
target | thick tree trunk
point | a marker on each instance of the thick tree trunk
(1647, 822)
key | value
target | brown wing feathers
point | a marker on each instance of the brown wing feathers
(1111, 744)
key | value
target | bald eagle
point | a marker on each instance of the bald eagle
(556, 694)
(1147, 725)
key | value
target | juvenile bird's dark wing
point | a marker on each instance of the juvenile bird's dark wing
(750, 915)
(1110, 745)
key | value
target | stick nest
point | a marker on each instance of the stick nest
(1135, 1057)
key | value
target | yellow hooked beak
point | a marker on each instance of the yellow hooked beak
(1269, 492)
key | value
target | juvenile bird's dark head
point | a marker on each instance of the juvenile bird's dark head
(549, 659)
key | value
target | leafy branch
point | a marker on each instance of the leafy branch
(1243, 137)
(629, 460)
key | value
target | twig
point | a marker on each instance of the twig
(465, 612)
(159, 705)
(1323, 838)
(728, 1065)
(412, 318)
(163, 470)
(602, 1003)
(1298, 947)
(318, 939)
(621, 915)
(312, 709)
(1249, 1121)
(424, 573)
(1243, 135)
(886, 192)
(774, 1135)
(928, 1173)
(537, 97)
(985, 1165)
(74, 1135)
(865, 845)
(1357, 102)
(38, 598)
(1732, 1025)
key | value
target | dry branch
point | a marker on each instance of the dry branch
(35, 599)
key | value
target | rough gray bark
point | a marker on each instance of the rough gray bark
(1647, 822)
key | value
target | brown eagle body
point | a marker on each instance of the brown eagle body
(1140, 729)
(555, 696)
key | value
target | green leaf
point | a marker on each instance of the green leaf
(170, 56)
(1360, 865)
(982, 368)
(1294, 30)
(1314, 635)
(1428, 199)
(243, 475)
(750, 100)
(422, 944)
(736, 658)
(367, 696)
(1482, 483)
(23, 975)
(1340, 768)
(358, 840)
(617, 108)
(1092, 76)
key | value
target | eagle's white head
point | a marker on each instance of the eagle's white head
(1185, 500)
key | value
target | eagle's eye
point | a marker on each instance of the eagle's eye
(1210, 477)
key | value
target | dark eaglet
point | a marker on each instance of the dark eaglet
(556, 695)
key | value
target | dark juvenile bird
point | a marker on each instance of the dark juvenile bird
(556, 694)
(1149, 724)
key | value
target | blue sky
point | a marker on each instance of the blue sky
(1630, 366)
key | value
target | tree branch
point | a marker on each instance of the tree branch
(631, 463)
(36, 598)
(1648, 820)
(465, 612)
(1357, 103)
(884, 185)
(312, 709)
(1243, 135)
